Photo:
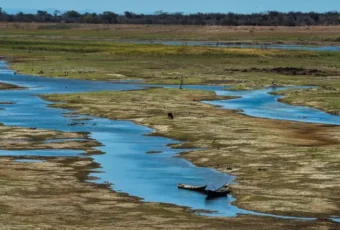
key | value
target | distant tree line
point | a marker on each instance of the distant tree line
(271, 18)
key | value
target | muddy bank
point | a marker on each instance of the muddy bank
(5, 86)
(275, 161)
(323, 98)
(53, 195)
(287, 71)
(17, 138)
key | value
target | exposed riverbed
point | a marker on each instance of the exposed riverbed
(125, 163)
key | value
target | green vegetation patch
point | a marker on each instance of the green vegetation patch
(324, 98)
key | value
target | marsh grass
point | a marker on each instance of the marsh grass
(143, 49)
(160, 64)
(323, 98)
(275, 162)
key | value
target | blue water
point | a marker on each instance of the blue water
(125, 164)
(42, 153)
(259, 103)
(63, 140)
(29, 161)
(239, 45)
(335, 220)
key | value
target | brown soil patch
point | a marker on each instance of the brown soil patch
(288, 71)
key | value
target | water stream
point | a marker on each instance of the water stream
(237, 45)
(125, 164)
(260, 103)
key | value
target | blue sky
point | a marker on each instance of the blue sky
(186, 6)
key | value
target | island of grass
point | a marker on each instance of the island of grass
(5, 86)
(325, 98)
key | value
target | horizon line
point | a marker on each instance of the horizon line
(50, 10)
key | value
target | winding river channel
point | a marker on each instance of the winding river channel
(125, 164)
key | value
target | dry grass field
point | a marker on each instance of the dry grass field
(301, 35)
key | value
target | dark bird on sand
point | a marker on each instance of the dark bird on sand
(171, 116)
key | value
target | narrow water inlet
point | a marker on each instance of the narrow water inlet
(236, 45)
(125, 163)
(260, 103)
(29, 161)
